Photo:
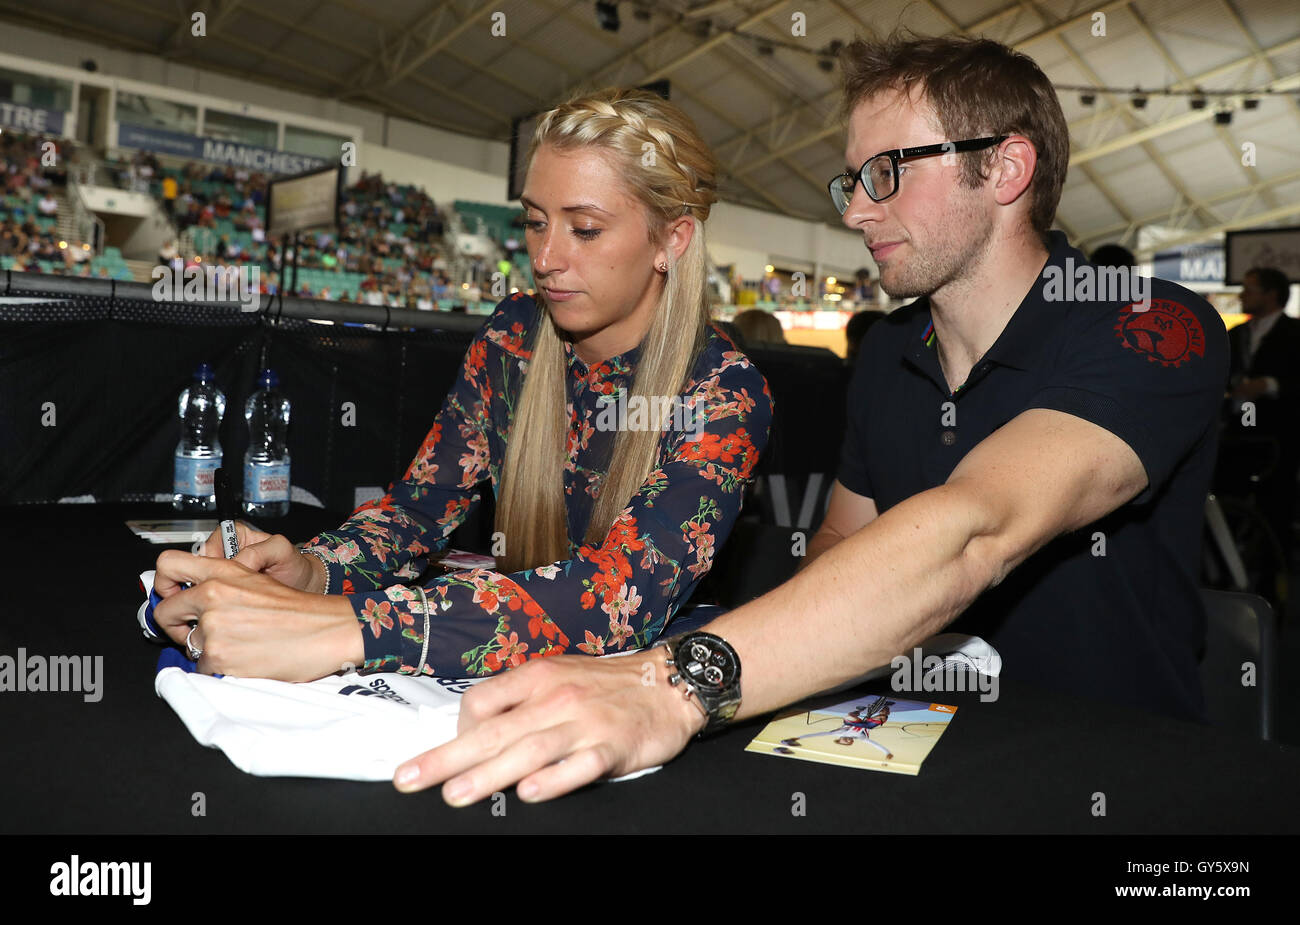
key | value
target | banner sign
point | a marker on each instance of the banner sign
(30, 118)
(214, 150)
(1197, 263)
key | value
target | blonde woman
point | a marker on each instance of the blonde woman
(617, 427)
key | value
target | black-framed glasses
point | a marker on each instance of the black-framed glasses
(879, 175)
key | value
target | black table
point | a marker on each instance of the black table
(1030, 762)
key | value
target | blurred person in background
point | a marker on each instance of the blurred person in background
(759, 327)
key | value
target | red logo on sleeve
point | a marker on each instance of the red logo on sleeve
(1167, 332)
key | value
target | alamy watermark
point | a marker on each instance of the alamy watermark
(945, 674)
(104, 878)
(654, 412)
(1088, 283)
(198, 283)
(39, 673)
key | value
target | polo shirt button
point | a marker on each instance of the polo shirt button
(948, 438)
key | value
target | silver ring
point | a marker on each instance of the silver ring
(193, 651)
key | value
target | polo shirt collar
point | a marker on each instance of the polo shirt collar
(1021, 340)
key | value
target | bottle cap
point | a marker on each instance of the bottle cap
(203, 373)
(267, 379)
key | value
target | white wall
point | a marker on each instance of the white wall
(748, 262)
(441, 180)
(788, 242)
(148, 237)
(122, 202)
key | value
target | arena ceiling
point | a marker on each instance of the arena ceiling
(764, 97)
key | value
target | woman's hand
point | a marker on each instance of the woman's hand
(555, 724)
(250, 625)
(274, 555)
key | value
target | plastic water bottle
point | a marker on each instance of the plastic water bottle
(198, 455)
(266, 464)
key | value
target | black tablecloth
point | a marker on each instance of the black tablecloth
(1032, 761)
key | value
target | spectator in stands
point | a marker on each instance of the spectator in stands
(422, 294)
(759, 327)
(608, 531)
(855, 330)
(48, 250)
(170, 191)
(49, 206)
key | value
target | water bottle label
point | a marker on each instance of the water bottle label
(194, 476)
(266, 483)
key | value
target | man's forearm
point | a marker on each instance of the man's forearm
(869, 597)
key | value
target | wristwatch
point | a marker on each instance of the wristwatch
(708, 669)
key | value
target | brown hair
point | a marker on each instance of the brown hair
(976, 87)
(1272, 280)
(759, 327)
(669, 169)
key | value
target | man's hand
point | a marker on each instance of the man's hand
(250, 625)
(556, 724)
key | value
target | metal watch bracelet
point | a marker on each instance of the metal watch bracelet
(715, 719)
(315, 553)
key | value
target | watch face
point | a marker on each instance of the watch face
(708, 664)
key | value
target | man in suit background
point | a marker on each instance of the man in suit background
(1265, 370)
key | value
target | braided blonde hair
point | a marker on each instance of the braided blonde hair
(668, 168)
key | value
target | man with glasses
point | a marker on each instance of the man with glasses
(1027, 454)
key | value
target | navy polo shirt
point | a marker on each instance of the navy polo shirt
(1111, 610)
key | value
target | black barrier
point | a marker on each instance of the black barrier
(90, 373)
